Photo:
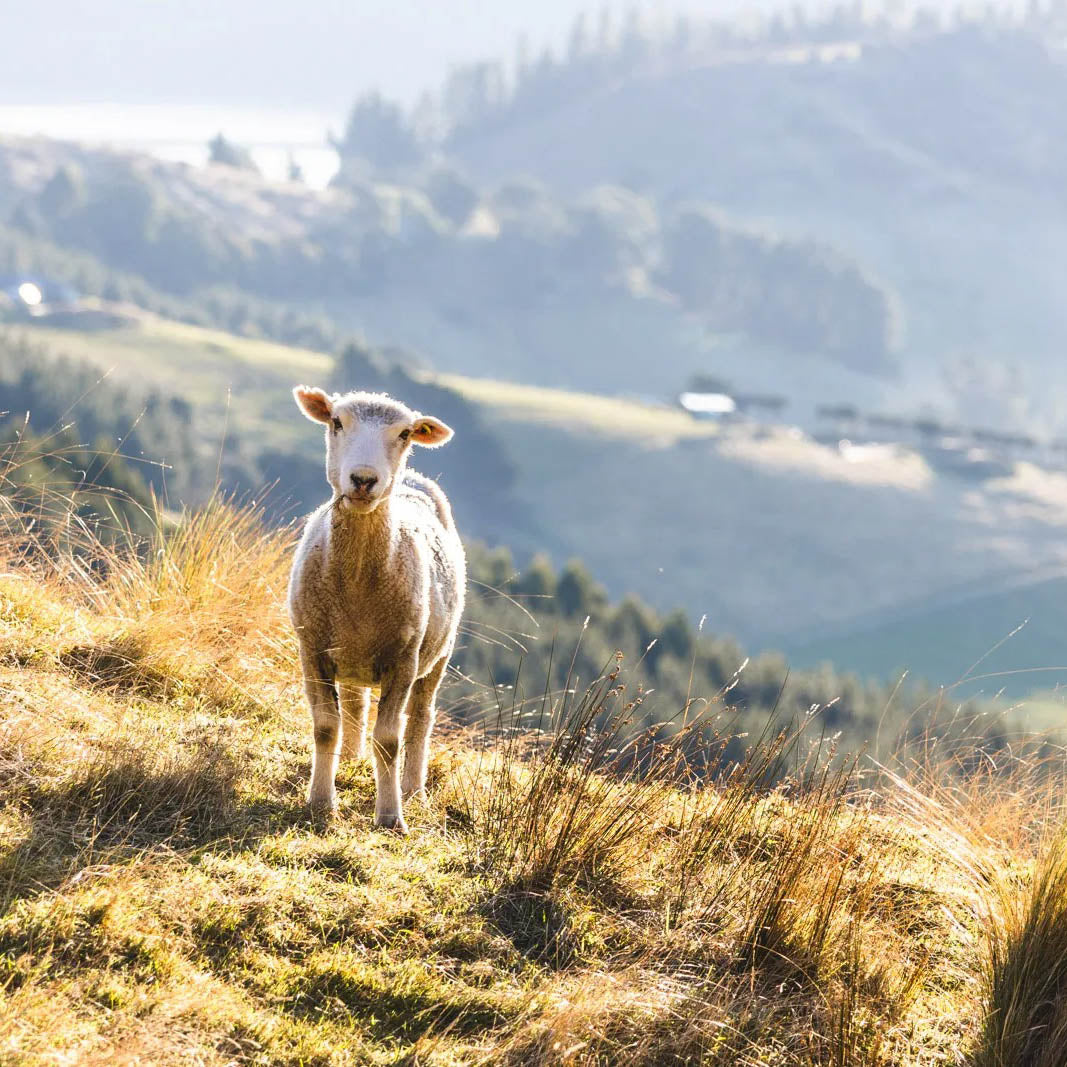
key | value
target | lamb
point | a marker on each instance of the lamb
(375, 596)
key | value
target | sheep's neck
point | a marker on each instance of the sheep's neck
(364, 541)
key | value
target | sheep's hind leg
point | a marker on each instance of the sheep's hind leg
(422, 711)
(388, 728)
(355, 707)
(326, 720)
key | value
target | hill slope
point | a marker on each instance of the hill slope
(163, 897)
(1013, 639)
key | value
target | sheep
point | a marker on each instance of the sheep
(375, 596)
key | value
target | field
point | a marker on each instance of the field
(208, 366)
(167, 900)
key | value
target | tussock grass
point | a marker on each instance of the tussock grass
(567, 789)
(576, 890)
(1026, 1020)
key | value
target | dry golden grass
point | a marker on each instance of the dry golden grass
(571, 893)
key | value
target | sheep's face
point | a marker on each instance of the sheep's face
(368, 438)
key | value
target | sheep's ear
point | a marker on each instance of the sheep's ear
(314, 403)
(430, 432)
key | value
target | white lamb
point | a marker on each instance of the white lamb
(375, 595)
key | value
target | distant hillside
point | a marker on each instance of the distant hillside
(604, 290)
(880, 112)
(989, 640)
(936, 158)
(775, 537)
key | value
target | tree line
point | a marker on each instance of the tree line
(538, 628)
(605, 46)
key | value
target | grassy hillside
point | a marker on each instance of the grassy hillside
(212, 367)
(165, 899)
(231, 379)
(596, 473)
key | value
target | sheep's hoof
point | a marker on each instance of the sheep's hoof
(322, 807)
(393, 823)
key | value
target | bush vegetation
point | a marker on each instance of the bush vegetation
(525, 627)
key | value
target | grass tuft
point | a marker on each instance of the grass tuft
(1026, 980)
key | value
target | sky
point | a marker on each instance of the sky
(310, 56)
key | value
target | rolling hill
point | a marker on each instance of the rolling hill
(594, 292)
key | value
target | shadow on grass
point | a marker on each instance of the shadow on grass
(122, 665)
(128, 800)
(390, 1008)
(118, 665)
(538, 922)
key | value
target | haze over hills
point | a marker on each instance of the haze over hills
(941, 194)
(948, 186)
(196, 51)
(509, 282)
(934, 159)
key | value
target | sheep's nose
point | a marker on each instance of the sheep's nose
(363, 482)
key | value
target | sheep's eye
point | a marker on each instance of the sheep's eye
(405, 434)
(337, 425)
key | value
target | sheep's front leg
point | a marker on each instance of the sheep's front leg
(388, 729)
(355, 708)
(422, 710)
(326, 722)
